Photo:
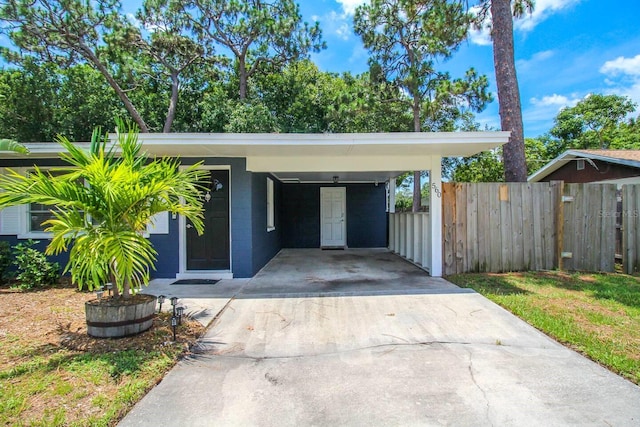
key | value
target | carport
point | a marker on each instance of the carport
(329, 161)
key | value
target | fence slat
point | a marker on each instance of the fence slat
(517, 226)
(483, 227)
(608, 213)
(461, 228)
(537, 227)
(630, 225)
(471, 236)
(494, 228)
(448, 223)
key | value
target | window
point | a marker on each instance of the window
(39, 213)
(580, 164)
(271, 221)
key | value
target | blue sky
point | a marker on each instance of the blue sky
(565, 50)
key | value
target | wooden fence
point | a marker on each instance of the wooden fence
(492, 227)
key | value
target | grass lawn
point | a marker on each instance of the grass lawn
(595, 314)
(53, 374)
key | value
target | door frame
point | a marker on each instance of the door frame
(183, 273)
(343, 190)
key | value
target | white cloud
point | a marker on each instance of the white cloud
(536, 60)
(133, 20)
(481, 37)
(623, 76)
(344, 31)
(338, 24)
(555, 100)
(542, 111)
(349, 6)
(630, 90)
(622, 65)
(541, 11)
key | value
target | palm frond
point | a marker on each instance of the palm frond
(11, 145)
(102, 202)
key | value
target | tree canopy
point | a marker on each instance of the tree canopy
(597, 121)
(405, 39)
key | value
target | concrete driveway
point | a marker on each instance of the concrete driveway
(422, 353)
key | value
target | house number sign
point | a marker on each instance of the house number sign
(436, 190)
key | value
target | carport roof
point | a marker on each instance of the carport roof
(326, 153)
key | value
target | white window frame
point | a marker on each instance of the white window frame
(25, 217)
(271, 210)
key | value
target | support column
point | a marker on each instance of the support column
(435, 214)
(393, 219)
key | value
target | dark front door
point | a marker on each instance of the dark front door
(210, 251)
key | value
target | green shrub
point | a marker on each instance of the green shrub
(5, 260)
(33, 268)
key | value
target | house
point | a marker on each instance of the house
(274, 191)
(596, 166)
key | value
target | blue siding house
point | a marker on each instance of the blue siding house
(274, 191)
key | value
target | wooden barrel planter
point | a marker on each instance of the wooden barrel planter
(115, 318)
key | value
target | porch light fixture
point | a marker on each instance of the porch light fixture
(335, 179)
(160, 301)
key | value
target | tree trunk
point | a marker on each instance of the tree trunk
(515, 167)
(116, 291)
(126, 289)
(417, 193)
(242, 75)
(121, 93)
(173, 101)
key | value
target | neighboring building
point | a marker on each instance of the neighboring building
(274, 191)
(597, 166)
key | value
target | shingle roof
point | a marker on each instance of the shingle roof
(633, 155)
(629, 158)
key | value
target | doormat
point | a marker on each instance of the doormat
(195, 282)
(333, 248)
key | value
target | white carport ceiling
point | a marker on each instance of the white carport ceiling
(320, 157)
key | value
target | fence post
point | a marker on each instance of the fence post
(558, 192)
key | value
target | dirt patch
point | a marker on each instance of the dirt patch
(55, 316)
(46, 329)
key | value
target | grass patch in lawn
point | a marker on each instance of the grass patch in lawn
(596, 314)
(53, 374)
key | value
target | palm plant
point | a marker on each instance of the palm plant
(102, 203)
(11, 145)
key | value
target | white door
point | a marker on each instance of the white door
(333, 221)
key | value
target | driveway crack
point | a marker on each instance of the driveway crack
(482, 390)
